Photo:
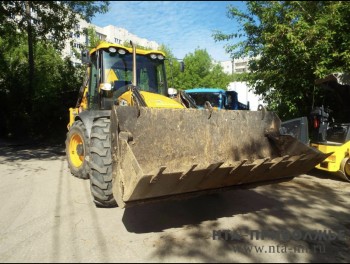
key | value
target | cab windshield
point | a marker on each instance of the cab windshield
(215, 99)
(150, 72)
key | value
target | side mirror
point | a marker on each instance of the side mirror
(105, 86)
(85, 57)
(172, 92)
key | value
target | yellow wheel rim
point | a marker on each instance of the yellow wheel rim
(76, 159)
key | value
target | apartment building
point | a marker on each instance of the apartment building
(245, 93)
(235, 65)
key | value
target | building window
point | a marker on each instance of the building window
(101, 37)
(238, 64)
(77, 45)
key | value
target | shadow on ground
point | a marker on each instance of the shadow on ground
(158, 216)
(321, 174)
(28, 151)
(305, 204)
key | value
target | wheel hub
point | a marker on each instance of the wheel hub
(80, 149)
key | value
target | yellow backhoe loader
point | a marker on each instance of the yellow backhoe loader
(139, 141)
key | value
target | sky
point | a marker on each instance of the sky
(182, 26)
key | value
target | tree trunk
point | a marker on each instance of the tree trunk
(30, 58)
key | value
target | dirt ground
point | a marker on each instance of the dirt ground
(47, 215)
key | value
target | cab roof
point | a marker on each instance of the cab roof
(106, 45)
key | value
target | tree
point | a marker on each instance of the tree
(48, 21)
(202, 72)
(13, 81)
(216, 77)
(172, 67)
(293, 43)
(92, 37)
(57, 83)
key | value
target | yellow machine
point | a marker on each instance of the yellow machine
(331, 125)
(139, 141)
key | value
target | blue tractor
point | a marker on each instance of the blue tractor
(218, 98)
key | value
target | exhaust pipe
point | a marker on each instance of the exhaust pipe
(137, 97)
(134, 80)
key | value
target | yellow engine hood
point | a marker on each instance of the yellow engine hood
(153, 100)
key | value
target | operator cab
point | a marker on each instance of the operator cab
(112, 72)
(330, 122)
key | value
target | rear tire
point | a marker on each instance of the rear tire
(77, 150)
(101, 164)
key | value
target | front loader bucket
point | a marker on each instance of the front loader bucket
(163, 153)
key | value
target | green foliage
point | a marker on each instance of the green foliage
(200, 71)
(57, 85)
(128, 45)
(92, 37)
(216, 78)
(240, 77)
(13, 86)
(172, 67)
(50, 20)
(36, 85)
(292, 43)
(56, 89)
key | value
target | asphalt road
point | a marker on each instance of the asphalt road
(47, 215)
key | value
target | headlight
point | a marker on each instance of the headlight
(156, 56)
(121, 51)
(112, 49)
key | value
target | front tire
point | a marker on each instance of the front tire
(101, 164)
(77, 150)
(345, 167)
